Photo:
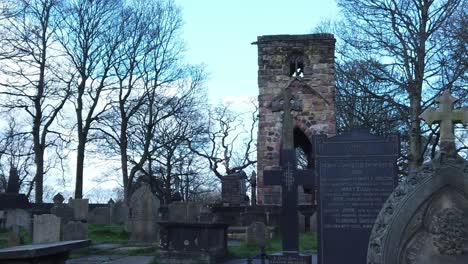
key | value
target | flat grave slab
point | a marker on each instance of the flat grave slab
(55, 252)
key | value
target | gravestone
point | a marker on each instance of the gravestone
(425, 219)
(143, 216)
(62, 210)
(99, 216)
(80, 208)
(46, 228)
(119, 213)
(75, 230)
(289, 178)
(18, 217)
(258, 234)
(356, 173)
(187, 212)
(14, 236)
(233, 189)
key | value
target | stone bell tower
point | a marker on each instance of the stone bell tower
(305, 65)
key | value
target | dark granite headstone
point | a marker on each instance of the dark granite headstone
(356, 173)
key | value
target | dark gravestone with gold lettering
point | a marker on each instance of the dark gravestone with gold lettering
(356, 173)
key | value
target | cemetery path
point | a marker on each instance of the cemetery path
(257, 261)
(112, 259)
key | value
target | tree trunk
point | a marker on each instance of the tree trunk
(79, 168)
(124, 160)
(414, 154)
(39, 178)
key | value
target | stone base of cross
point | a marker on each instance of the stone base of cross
(289, 178)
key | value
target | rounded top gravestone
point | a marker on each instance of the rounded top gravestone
(258, 234)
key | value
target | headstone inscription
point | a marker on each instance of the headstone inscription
(424, 221)
(356, 173)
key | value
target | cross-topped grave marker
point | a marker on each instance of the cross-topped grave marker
(288, 177)
(446, 116)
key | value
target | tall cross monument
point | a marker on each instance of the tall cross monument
(446, 116)
(288, 177)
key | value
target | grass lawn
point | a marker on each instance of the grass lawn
(108, 234)
(307, 243)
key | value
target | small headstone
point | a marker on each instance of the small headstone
(258, 234)
(144, 207)
(99, 216)
(14, 236)
(188, 212)
(46, 228)
(80, 208)
(62, 210)
(120, 213)
(58, 199)
(75, 230)
(18, 217)
(233, 189)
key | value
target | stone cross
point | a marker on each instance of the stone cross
(285, 102)
(289, 178)
(446, 116)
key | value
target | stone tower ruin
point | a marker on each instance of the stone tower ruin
(305, 65)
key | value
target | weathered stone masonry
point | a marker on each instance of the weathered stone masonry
(304, 64)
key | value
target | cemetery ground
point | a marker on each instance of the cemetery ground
(110, 244)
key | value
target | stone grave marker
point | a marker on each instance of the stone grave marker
(18, 217)
(14, 236)
(99, 216)
(234, 190)
(62, 210)
(46, 228)
(144, 207)
(80, 208)
(75, 230)
(119, 213)
(356, 174)
(258, 234)
(425, 219)
(188, 212)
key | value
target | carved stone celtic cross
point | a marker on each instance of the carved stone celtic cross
(447, 117)
(285, 102)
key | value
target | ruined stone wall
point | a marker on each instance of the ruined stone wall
(313, 84)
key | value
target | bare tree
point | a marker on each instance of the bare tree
(404, 47)
(153, 85)
(229, 139)
(33, 80)
(90, 36)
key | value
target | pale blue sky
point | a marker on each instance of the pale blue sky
(219, 34)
